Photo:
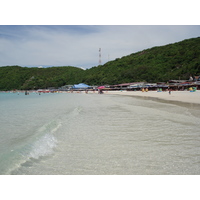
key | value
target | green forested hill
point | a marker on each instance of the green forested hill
(173, 61)
(16, 77)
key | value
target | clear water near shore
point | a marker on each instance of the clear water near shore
(97, 134)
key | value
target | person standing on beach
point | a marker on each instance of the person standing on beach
(169, 91)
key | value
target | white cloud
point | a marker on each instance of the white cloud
(79, 45)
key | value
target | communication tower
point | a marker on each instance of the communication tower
(99, 56)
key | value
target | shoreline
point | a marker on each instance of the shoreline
(178, 96)
(175, 96)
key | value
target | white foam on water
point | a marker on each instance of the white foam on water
(43, 147)
(42, 144)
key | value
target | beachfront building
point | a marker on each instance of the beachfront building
(128, 86)
(80, 86)
(139, 85)
(183, 84)
(65, 87)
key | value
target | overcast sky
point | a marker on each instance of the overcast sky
(68, 45)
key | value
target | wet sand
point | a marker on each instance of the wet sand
(181, 96)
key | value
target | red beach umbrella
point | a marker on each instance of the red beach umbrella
(101, 87)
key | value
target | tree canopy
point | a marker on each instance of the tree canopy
(157, 64)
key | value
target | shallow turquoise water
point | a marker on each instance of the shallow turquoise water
(97, 134)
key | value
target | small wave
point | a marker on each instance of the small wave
(42, 144)
(45, 141)
(77, 111)
(50, 127)
(43, 147)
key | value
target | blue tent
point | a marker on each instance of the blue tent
(80, 86)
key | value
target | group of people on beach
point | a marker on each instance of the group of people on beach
(159, 90)
(145, 90)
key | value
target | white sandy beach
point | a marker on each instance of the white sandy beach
(183, 96)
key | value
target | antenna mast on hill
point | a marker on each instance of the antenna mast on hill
(99, 56)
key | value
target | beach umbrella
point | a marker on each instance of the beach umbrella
(101, 87)
(81, 86)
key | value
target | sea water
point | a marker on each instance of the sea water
(80, 133)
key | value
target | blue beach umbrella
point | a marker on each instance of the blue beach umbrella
(80, 86)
